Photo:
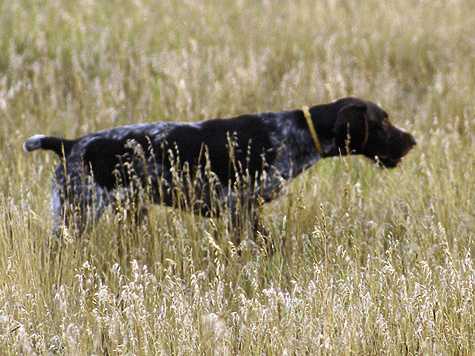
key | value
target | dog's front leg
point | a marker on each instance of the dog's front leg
(259, 232)
(246, 212)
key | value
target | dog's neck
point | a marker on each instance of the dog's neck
(311, 128)
(323, 118)
(297, 150)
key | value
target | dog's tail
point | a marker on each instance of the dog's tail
(60, 146)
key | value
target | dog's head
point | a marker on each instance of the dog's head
(362, 127)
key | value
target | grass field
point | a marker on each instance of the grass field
(368, 261)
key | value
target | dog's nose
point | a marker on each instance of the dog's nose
(408, 142)
(411, 140)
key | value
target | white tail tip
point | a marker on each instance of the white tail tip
(33, 143)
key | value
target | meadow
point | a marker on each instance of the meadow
(367, 261)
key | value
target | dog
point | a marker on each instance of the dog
(213, 164)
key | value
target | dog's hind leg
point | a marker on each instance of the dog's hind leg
(77, 204)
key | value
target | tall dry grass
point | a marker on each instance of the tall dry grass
(367, 261)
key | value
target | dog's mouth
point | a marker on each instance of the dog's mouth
(387, 161)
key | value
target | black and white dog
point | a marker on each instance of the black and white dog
(212, 164)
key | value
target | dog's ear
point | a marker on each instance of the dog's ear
(350, 128)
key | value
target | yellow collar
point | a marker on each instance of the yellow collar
(308, 117)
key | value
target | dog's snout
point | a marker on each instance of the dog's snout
(408, 142)
(411, 139)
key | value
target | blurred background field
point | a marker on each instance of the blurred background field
(368, 261)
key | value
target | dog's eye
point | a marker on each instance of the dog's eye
(385, 121)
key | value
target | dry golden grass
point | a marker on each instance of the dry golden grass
(367, 261)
